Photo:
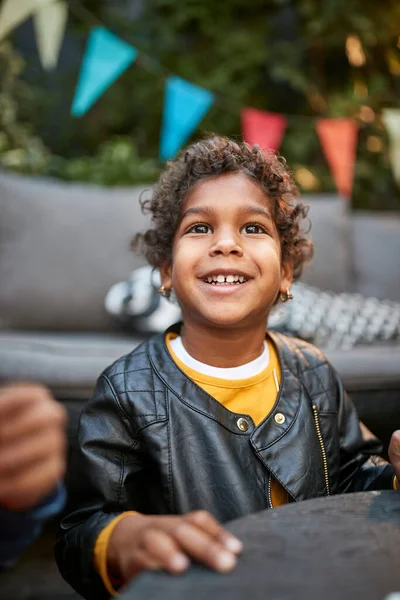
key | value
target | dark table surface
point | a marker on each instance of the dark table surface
(342, 547)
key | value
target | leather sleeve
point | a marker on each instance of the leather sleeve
(103, 466)
(361, 468)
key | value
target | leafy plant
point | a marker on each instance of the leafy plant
(20, 149)
(115, 163)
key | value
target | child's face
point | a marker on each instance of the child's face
(226, 266)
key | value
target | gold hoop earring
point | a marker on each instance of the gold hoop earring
(285, 296)
(164, 292)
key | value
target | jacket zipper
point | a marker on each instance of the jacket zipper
(323, 451)
(269, 493)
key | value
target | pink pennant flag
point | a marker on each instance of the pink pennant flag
(338, 138)
(263, 128)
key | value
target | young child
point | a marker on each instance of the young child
(216, 418)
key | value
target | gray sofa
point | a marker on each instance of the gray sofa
(62, 246)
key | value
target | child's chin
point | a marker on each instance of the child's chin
(227, 318)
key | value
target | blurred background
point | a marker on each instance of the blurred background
(303, 59)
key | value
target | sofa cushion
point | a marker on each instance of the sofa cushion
(331, 320)
(376, 243)
(71, 363)
(331, 266)
(374, 367)
(62, 246)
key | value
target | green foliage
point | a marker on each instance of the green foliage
(289, 56)
(115, 163)
(19, 148)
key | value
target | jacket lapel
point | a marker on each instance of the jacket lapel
(289, 446)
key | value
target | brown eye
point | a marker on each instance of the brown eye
(199, 228)
(253, 228)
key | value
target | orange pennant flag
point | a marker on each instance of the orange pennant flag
(338, 138)
(263, 128)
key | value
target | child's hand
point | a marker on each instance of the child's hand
(32, 445)
(141, 542)
(394, 454)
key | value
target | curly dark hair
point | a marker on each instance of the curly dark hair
(213, 157)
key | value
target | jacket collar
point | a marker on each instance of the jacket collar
(269, 431)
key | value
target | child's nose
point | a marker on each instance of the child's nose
(226, 245)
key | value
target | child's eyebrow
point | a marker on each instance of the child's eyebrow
(198, 210)
(256, 210)
(210, 210)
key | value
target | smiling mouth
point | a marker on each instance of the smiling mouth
(225, 279)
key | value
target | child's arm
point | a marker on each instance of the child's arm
(108, 477)
(361, 468)
(141, 542)
(97, 485)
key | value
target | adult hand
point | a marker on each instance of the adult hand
(141, 542)
(32, 445)
(394, 454)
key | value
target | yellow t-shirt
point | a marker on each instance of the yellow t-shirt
(254, 396)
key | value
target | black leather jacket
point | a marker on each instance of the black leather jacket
(151, 440)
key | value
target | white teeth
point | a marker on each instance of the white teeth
(226, 279)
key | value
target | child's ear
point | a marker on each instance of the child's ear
(286, 276)
(166, 275)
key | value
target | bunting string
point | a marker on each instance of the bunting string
(107, 56)
(150, 64)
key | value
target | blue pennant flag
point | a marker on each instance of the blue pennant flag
(185, 105)
(106, 58)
